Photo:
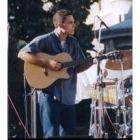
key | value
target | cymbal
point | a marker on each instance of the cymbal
(106, 84)
(126, 59)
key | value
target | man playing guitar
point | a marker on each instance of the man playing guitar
(56, 101)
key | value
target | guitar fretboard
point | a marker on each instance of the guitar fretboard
(110, 56)
(77, 62)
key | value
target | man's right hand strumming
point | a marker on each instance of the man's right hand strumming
(53, 65)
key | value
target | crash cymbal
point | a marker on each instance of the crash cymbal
(126, 59)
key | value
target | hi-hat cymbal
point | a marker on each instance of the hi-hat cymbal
(126, 59)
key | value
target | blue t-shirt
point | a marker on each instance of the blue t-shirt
(63, 90)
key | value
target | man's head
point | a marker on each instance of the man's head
(64, 21)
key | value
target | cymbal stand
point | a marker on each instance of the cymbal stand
(123, 107)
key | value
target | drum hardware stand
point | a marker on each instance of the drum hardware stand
(117, 124)
(93, 127)
(123, 107)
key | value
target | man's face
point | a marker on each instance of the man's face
(69, 26)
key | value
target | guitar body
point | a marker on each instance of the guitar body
(37, 78)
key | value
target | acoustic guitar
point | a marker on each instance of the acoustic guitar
(41, 77)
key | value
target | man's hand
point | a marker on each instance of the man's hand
(52, 64)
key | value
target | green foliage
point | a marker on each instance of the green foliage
(27, 20)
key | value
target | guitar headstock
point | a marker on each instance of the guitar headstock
(114, 55)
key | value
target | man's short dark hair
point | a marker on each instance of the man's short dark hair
(60, 16)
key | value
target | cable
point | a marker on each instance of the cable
(29, 136)
(110, 120)
(25, 104)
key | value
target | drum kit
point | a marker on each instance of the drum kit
(106, 96)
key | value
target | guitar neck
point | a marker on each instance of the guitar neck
(110, 56)
(77, 62)
(81, 61)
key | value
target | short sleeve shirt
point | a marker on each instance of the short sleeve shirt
(63, 90)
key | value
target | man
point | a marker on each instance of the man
(57, 102)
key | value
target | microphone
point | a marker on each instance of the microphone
(102, 22)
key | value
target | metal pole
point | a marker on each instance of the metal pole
(33, 115)
(93, 127)
(123, 101)
(99, 73)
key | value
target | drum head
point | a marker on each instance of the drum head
(126, 59)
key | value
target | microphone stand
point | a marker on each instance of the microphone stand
(100, 76)
(101, 126)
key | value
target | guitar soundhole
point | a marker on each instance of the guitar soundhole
(45, 70)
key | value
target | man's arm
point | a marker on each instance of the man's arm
(36, 60)
(84, 67)
(31, 58)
